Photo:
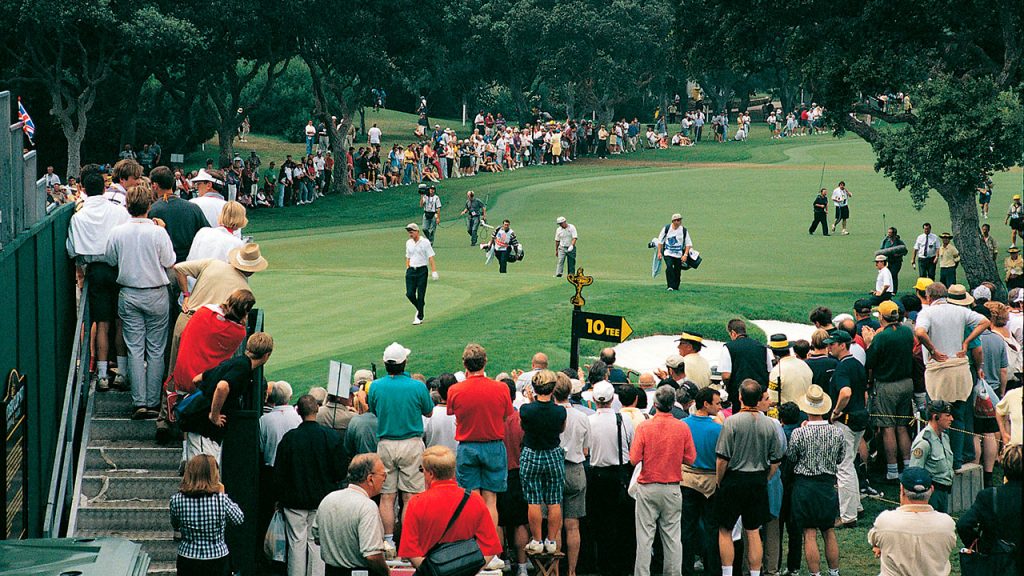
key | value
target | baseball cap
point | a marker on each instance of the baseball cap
(838, 337)
(396, 353)
(412, 226)
(923, 283)
(939, 407)
(677, 216)
(982, 292)
(881, 258)
(674, 361)
(362, 375)
(916, 480)
(1016, 196)
(560, 220)
(604, 391)
(862, 305)
(888, 309)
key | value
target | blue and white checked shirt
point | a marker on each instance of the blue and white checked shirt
(201, 521)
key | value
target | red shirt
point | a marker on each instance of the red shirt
(663, 444)
(513, 440)
(480, 406)
(429, 513)
(208, 340)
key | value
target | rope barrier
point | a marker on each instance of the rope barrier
(923, 422)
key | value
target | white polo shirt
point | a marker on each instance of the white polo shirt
(419, 252)
(565, 236)
(884, 280)
(839, 197)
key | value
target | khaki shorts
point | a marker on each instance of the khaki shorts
(402, 459)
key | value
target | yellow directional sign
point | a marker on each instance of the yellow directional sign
(604, 327)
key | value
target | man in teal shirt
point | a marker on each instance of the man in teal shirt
(400, 404)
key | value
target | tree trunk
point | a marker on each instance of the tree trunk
(975, 257)
(130, 111)
(227, 130)
(75, 139)
(362, 120)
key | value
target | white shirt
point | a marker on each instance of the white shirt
(565, 236)
(117, 194)
(859, 353)
(90, 228)
(1016, 326)
(502, 238)
(673, 240)
(310, 130)
(418, 253)
(604, 439)
(374, 134)
(52, 180)
(431, 203)
(273, 426)
(211, 204)
(142, 251)
(213, 243)
(839, 197)
(439, 429)
(926, 245)
(576, 436)
(884, 281)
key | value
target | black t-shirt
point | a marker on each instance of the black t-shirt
(542, 424)
(183, 219)
(237, 372)
(822, 368)
(820, 203)
(850, 373)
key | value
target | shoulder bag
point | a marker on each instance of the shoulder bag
(1000, 559)
(460, 558)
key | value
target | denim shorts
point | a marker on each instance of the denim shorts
(482, 465)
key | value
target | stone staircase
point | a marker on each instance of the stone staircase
(128, 481)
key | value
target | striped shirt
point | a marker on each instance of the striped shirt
(816, 448)
(201, 521)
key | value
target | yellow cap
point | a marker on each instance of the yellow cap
(923, 283)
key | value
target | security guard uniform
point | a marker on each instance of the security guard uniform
(931, 451)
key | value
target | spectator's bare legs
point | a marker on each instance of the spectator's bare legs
(755, 553)
(387, 510)
(555, 524)
(725, 548)
(896, 439)
(811, 550)
(522, 537)
(491, 500)
(535, 518)
(102, 335)
(572, 543)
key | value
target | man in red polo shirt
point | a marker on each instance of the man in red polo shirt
(480, 406)
(429, 513)
(662, 444)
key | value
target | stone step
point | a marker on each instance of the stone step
(112, 403)
(132, 455)
(130, 484)
(162, 568)
(160, 545)
(129, 515)
(107, 428)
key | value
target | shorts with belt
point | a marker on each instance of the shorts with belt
(103, 291)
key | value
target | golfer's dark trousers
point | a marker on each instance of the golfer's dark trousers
(673, 270)
(502, 256)
(416, 288)
(700, 534)
(926, 268)
(947, 275)
(819, 218)
(894, 268)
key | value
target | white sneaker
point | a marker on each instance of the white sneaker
(416, 320)
(534, 547)
(389, 550)
(550, 547)
(496, 563)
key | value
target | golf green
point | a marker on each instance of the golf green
(335, 286)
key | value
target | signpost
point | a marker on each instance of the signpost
(590, 325)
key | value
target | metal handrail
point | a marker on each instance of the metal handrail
(71, 423)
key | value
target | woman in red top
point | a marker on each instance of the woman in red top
(212, 335)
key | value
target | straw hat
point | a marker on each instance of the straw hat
(815, 402)
(247, 258)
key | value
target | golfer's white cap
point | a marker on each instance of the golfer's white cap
(677, 216)
(560, 220)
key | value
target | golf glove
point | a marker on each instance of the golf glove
(570, 248)
(433, 275)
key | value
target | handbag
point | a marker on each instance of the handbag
(460, 558)
(984, 407)
(171, 397)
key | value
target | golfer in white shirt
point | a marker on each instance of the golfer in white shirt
(418, 253)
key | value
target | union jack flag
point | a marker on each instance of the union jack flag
(28, 126)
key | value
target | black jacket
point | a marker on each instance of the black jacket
(311, 463)
(986, 523)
